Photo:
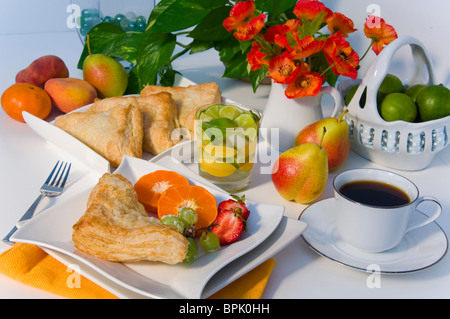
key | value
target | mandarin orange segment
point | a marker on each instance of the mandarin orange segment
(150, 187)
(196, 197)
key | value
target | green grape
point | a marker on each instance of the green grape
(209, 241)
(192, 250)
(174, 221)
(188, 215)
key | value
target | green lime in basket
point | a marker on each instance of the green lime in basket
(391, 84)
(414, 91)
(398, 106)
(433, 102)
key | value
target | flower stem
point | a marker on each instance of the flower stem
(368, 49)
(327, 69)
(179, 54)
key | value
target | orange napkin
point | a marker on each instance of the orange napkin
(32, 266)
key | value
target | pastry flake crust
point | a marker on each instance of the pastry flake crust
(112, 133)
(159, 113)
(189, 99)
(115, 227)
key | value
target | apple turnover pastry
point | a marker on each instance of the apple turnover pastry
(159, 115)
(115, 227)
(189, 99)
(112, 133)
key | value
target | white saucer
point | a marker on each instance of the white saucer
(419, 249)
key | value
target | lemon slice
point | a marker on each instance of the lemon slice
(219, 151)
(218, 169)
(230, 111)
(246, 167)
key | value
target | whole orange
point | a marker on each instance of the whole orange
(26, 97)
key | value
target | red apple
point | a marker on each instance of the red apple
(336, 141)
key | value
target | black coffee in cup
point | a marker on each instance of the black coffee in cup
(374, 193)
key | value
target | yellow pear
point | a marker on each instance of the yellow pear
(301, 173)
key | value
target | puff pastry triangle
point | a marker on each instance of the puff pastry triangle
(189, 99)
(159, 113)
(115, 227)
(112, 134)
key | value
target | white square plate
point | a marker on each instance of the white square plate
(53, 229)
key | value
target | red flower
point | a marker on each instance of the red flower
(256, 58)
(380, 32)
(305, 84)
(339, 22)
(310, 9)
(307, 47)
(282, 68)
(275, 30)
(243, 19)
(340, 55)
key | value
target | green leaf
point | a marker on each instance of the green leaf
(274, 8)
(228, 48)
(154, 51)
(176, 15)
(101, 38)
(109, 39)
(237, 68)
(321, 64)
(310, 27)
(134, 85)
(257, 76)
(211, 27)
(167, 76)
(200, 46)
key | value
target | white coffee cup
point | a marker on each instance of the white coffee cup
(375, 228)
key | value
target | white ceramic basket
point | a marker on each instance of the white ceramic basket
(397, 144)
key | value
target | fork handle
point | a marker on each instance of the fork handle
(29, 213)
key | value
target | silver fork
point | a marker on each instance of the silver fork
(52, 187)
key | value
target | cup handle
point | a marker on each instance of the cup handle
(431, 218)
(337, 97)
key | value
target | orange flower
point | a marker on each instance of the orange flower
(305, 84)
(243, 19)
(307, 47)
(339, 22)
(380, 32)
(340, 55)
(275, 30)
(282, 68)
(256, 58)
(310, 9)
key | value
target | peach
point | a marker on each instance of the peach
(69, 94)
(42, 69)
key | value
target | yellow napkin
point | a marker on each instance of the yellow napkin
(32, 266)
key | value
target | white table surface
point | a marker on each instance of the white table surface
(26, 159)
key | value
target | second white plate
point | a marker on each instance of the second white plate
(53, 229)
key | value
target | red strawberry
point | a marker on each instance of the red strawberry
(236, 203)
(229, 226)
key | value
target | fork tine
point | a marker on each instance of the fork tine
(65, 174)
(53, 182)
(51, 173)
(60, 175)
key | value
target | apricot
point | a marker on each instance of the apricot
(42, 69)
(69, 94)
